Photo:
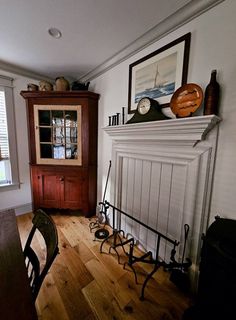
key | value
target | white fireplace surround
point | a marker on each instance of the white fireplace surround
(162, 173)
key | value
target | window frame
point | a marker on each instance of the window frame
(6, 84)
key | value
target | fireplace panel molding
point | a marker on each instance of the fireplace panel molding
(162, 174)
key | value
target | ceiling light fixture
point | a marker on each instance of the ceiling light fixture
(55, 33)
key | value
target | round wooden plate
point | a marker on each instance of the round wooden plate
(186, 100)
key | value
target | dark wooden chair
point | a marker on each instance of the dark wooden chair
(36, 271)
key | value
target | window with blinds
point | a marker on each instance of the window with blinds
(4, 143)
(9, 177)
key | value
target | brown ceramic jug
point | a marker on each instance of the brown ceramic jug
(61, 84)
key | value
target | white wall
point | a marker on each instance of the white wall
(19, 198)
(212, 47)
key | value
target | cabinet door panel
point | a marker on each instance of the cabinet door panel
(49, 194)
(73, 192)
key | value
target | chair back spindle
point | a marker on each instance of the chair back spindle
(46, 226)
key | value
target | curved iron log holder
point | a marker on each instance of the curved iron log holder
(118, 241)
(116, 231)
(101, 233)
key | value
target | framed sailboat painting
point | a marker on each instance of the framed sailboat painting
(159, 74)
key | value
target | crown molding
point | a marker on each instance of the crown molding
(11, 68)
(185, 14)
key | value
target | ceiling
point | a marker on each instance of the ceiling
(93, 33)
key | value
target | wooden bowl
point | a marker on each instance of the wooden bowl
(186, 100)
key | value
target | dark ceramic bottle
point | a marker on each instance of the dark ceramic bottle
(211, 100)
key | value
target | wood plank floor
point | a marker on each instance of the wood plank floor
(85, 284)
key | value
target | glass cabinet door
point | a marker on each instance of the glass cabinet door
(58, 134)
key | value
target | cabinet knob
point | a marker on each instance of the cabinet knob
(61, 178)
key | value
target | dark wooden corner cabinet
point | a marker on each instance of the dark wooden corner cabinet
(62, 127)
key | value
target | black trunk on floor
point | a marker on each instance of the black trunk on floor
(216, 296)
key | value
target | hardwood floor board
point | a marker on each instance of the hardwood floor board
(84, 252)
(113, 288)
(24, 225)
(157, 301)
(147, 311)
(70, 231)
(74, 301)
(39, 246)
(63, 242)
(135, 311)
(71, 259)
(60, 220)
(108, 309)
(79, 271)
(38, 243)
(158, 294)
(163, 290)
(85, 221)
(182, 299)
(82, 227)
(105, 309)
(49, 303)
(161, 276)
(91, 316)
(127, 282)
(85, 284)
(113, 269)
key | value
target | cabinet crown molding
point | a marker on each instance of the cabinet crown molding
(59, 94)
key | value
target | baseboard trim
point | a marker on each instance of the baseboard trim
(21, 209)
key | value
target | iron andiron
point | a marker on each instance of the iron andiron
(118, 239)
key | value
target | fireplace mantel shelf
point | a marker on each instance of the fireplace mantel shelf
(191, 130)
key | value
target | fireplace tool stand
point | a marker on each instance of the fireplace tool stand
(117, 239)
(102, 219)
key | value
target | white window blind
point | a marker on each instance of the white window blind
(4, 142)
(9, 175)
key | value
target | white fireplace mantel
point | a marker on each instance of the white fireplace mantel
(162, 173)
(184, 130)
